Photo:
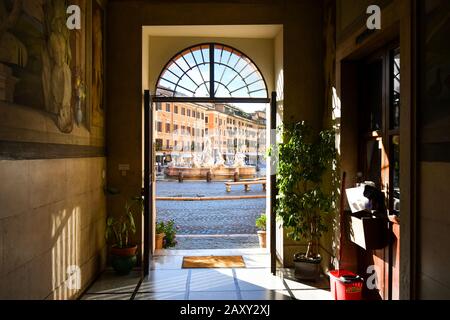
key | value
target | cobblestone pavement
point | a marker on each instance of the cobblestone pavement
(202, 189)
(207, 218)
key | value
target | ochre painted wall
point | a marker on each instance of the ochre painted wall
(433, 225)
(351, 13)
(433, 120)
(52, 216)
(52, 211)
(279, 86)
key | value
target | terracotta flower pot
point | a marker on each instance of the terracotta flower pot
(123, 260)
(124, 252)
(262, 239)
(159, 240)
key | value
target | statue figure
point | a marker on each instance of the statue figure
(239, 160)
(56, 58)
(207, 156)
(197, 160)
(239, 157)
(220, 162)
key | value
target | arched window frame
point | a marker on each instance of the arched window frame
(213, 81)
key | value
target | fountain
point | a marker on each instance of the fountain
(201, 163)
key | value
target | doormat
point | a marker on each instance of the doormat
(190, 262)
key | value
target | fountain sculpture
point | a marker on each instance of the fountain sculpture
(199, 163)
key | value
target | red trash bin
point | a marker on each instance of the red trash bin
(345, 285)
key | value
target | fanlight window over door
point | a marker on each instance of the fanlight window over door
(211, 71)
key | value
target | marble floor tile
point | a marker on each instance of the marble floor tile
(313, 294)
(107, 296)
(212, 280)
(109, 282)
(265, 295)
(161, 296)
(165, 281)
(258, 279)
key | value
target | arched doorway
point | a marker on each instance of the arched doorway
(210, 73)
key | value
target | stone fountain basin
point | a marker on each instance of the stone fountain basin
(216, 173)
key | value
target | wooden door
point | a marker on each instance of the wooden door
(149, 185)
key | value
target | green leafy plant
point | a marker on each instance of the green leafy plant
(119, 229)
(170, 231)
(160, 227)
(261, 222)
(302, 203)
(269, 152)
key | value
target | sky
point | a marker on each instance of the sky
(251, 107)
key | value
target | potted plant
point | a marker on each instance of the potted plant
(119, 229)
(261, 225)
(170, 231)
(159, 237)
(302, 203)
(166, 234)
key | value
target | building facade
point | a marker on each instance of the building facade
(182, 129)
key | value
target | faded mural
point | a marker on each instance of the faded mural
(56, 60)
(43, 64)
(97, 61)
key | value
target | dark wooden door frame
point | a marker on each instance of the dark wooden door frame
(148, 197)
(273, 189)
(148, 187)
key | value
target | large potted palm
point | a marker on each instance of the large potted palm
(302, 202)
